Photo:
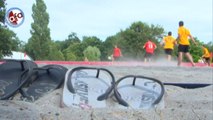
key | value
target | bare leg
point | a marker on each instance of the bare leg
(180, 57)
(169, 57)
(209, 62)
(144, 59)
(189, 57)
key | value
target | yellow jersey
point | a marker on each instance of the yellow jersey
(183, 35)
(206, 53)
(169, 42)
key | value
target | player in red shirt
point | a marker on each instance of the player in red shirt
(150, 47)
(116, 53)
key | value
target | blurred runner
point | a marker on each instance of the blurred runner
(150, 47)
(206, 55)
(183, 47)
(116, 53)
(168, 42)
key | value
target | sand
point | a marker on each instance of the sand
(180, 104)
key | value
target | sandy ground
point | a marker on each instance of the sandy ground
(180, 104)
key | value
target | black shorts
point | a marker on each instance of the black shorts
(148, 55)
(207, 59)
(183, 48)
(168, 51)
(116, 58)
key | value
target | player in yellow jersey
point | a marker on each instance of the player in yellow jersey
(206, 55)
(183, 47)
(169, 42)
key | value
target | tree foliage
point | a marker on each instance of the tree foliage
(91, 41)
(132, 39)
(55, 54)
(9, 42)
(8, 39)
(94, 42)
(74, 52)
(72, 39)
(70, 56)
(38, 46)
(92, 53)
(71, 47)
(209, 45)
(2, 11)
(196, 50)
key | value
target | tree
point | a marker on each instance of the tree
(5, 41)
(70, 56)
(132, 39)
(196, 50)
(8, 39)
(135, 37)
(2, 12)
(70, 47)
(209, 45)
(108, 47)
(4, 38)
(9, 42)
(93, 42)
(72, 39)
(39, 44)
(55, 54)
(92, 53)
(74, 52)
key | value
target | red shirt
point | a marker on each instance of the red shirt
(116, 52)
(149, 47)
